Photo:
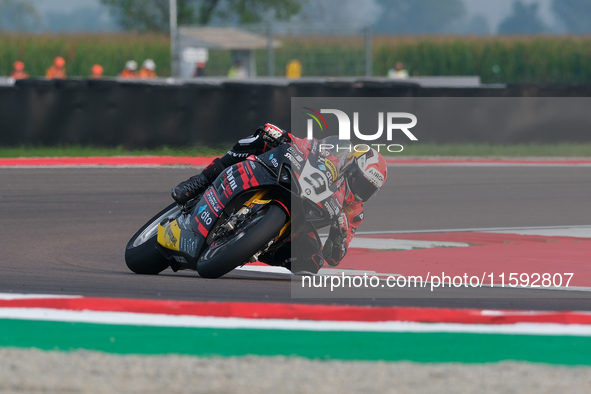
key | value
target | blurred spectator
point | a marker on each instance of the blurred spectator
(147, 71)
(199, 70)
(293, 69)
(130, 70)
(96, 72)
(18, 71)
(237, 71)
(398, 72)
(58, 70)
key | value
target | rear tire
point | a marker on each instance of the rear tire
(141, 255)
(219, 259)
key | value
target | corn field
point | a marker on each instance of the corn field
(540, 59)
(82, 51)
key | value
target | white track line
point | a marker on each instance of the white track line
(577, 232)
(144, 166)
(264, 268)
(400, 244)
(160, 320)
(510, 230)
(500, 164)
(19, 296)
(386, 244)
(323, 271)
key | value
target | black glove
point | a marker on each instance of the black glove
(335, 247)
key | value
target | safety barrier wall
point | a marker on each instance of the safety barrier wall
(218, 111)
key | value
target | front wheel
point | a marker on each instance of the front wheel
(141, 255)
(230, 251)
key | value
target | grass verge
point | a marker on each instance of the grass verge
(442, 150)
(490, 150)
(89, 151)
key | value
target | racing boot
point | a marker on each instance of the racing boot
(198, 184)
(191, 188)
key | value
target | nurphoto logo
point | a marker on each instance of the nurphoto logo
(392, 120)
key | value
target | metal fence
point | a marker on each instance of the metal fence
(321, 52)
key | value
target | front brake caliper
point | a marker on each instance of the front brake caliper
(238, 216)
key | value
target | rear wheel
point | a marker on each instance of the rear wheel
(141, 255)
(232, 250)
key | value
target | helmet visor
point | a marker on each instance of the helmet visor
(361, 187)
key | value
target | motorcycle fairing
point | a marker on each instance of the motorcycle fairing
(184, 238)
(234, 180)
(177, 242)
(318, 175)
(169, 235)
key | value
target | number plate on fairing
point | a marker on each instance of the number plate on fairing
(314, 184)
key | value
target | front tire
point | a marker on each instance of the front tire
(141, 255)
(223, 256)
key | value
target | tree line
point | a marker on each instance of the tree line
(385, 16)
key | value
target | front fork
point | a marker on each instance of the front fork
(253, 205)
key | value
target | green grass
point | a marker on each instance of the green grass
(87, 151)
(418, 149)
(490, 150)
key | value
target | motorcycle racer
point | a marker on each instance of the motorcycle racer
(364, 174)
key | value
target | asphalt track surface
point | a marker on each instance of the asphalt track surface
(64, 231)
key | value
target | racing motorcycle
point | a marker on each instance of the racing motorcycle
(252, 211)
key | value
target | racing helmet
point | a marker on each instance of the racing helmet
(365, 173)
